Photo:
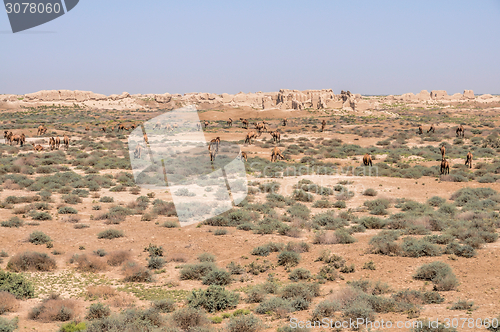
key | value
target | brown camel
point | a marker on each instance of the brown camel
(323, 125)
(15, 138)
(243, 156)
(37, 147)
(138, 151)
(103, 129)
(206, 123)
(445, 167)
(251, 135)
(469, 159)
(87, 128)
(432, 128)
(460, 131)
(41, 130)
(168, 127)
(213, 152)
(420, 130)
(23, 139)
(66, 141)
(132, 126)
(285, 121)
(276, 136)
(443, 151)
(52, 143)
(275, 154)
(121, 127)
(244, 122)
(6, 136)
(58, 142)
(367, 160)
(230, 122)
(146, 138)
(216, 142)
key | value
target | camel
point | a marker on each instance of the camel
(41, 130)
(15, 138)
(121, 127)
(198, 126)
(213, 152)
(138, 151)
(443, 151)
(168, 127)
(469, 159)
(367, 160)
(460, 131)
(285, 121)
(216, 142)
(230, 122)
(132, 126)
(58, 142)
(6, 136)
(23, 139)
(66, 141)
(323, 124)
(251, 135)
(206, 123)
(275, 154)
(103, 129)
(37, 147)
(243, 156)
(244, 122)
(445, 167)
(420, 130)
(52, 143)
(276, 136)
(432, 128)
(87, 128)
(146, 138)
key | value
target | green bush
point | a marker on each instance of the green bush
(343, 237)
(196, 271)
(439, 273)
(300, 274)
(13, 222)
(275, 304)
(214, 298)
(106, 199)
(7, 325)
(110, 234)
(155, 262)
(462, 305)
(436, 201)
(16, 284)
(372, 222)
(217, 277)
(41, 216)
(288, 258)
(413, 247)
(154, 250)
(164, 306)
(73, 327)
(67, 210)
(383, 243)
(460, 250)
(38, 237)
(128, 320)
(98, 311)
(244, 323)
(370, 192)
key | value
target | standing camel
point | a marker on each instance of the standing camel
(146, 138)
(66, 141)
(243, 156)
(460, 131)
(323, 125)
(420, 130)
(249, 137)
(52, 143)
(285, 122)
(138, 151)
(41, 130)
(469, 159)
(23, 139)
(432, 128)
(58, 142)
(367, 160)
(275, 154)
(6, 136)
(244, 122)
(443, 150)
(216, 142)
(276, 136)
(206, 123)
(212, 151)
(445, 167)
(230, 122)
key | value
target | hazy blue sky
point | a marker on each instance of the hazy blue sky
(368, 47)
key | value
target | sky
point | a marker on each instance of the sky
(365, 46)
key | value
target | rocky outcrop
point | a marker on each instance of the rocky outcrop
(469, 94)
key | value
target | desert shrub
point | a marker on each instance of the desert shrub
(190, 319)
(214, 298)
(73, 327)
(300, 211)
(460, 250)
(87, 263)
(436, 201)
(300, 274)
(302, 196)
(106, 199)
(164, 306)
(323, 204)
(462, 305)
(71, 199)
(116, 258)
(235, 268)
(439, 239)
(326, 308)
(38, 237)
(129, 320)
(383, 243)
(300, 290)
(41, 216)
(8, 302)
(67, 210)
(370, 265)
(98, 311)
(244, 323)
(155, 262)
(288, 258)
(370, 192)
(13, 222)
(298, 247)
(413, 247)
(372, 222)
(220, 231)
(7, 325)
(270, 187)
(348, 269)
(342, 236)
(439, 273)
(196, 271)
(53, 309)
(133, 272)
(154, 250)
(110, 234)
(170, 224)
(16, 284)
(97, 292)
(206, 257)
(217, 277)
(276, 305)
(31, 261)
(256, 294)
